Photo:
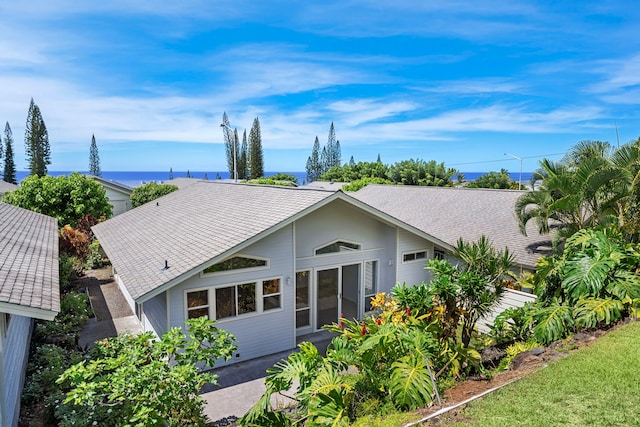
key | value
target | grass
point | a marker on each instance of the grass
(597, 385)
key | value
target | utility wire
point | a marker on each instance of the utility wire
(504, 159)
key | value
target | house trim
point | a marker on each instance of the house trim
(21, 310)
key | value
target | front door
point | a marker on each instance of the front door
(337, 292)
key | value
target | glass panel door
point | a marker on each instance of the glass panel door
(328, 282)
(303, 309)
(350, 291)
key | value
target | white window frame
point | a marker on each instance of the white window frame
(258, 287)
(308, 308)
(187, 309)
(415, 258)
(439, 254)
(236, 271)
(376, 284)
(351, 242)
(263, 295)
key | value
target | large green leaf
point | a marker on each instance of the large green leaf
(586, 275)
(624, 285)
(589, 312)
(410, 381)
(553, 322)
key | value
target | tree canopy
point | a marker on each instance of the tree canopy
(495, 180)
(148, 192)
(66, 198)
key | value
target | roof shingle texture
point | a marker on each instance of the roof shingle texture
(189, 227)
(450, 213)
(5, 187)
(28, 259)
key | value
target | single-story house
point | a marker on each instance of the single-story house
(119, 195)
(271, 264)
(29, 289)
(5, 187)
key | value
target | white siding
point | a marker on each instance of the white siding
(155, 315)
(120, 202)
(510, 299)
(413, 272)
(126, 294)
(341, 221)
(15, 354)
(258, 334)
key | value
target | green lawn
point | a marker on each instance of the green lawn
(597, 385)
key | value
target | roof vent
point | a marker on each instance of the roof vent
(157, 203)
(166, 265)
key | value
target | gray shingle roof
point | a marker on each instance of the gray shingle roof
(450, 213)
(190, 227)
(29, 260)
(5, 187)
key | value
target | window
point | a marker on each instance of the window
(235, 300)
(414, 256)
(438, 254)
(236, 263)
(370, 283)
(271, 294)
(197, 304)
(339, 246)
(303, 310)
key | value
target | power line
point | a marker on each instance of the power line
(503, 159)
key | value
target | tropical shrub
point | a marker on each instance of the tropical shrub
(593, 282)
(513, 324)
(420, 172)
(138, 380)
(148, 192)
(73, 242)
(459, 295)
(387, 361)
(495, 180)
(284, 177)
(95, 257)
(66, 198)
(361, 183)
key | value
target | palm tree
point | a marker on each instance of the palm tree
(585, 189)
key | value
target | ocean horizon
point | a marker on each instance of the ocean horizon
(137, 178)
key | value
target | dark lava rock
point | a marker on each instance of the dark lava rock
(537, 351)
(491, 356)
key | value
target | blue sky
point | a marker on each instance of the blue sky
(456, 82)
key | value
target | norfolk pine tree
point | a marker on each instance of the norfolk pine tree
(94, 158)
(229, 140)
(243, 161)
(256, 160)
(314, 168)
(9, 164)
(36, 140)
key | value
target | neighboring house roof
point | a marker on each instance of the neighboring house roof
(182, 182)
(191, 227)
(29, 281)
(325, 185)
(5, 187)
(450, 213)
(113, 185)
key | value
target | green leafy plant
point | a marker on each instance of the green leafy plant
(145, 381)
(513, 324)
(150, 191)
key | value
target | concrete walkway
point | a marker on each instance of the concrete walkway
(113, 315)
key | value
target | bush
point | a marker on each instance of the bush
(95, 258)
(66, 198)
(361, 183)
(74, 242)
(67, 271)
(284, 177)
(148, 192)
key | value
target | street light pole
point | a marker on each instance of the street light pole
(233, 145)
(517, 158)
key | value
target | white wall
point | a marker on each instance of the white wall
(257, 334)
(119, 201)
(413, 272)
(15, 347)
(510, 299)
